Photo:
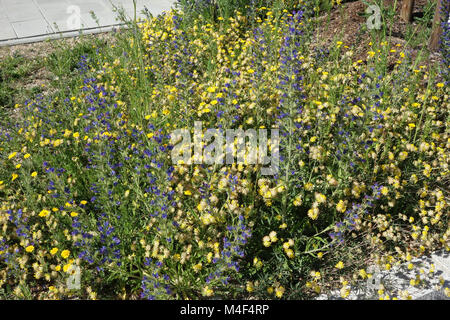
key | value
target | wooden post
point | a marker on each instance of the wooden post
(407, 10)
(436, 32)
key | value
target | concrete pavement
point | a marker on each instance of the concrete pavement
(24, 21)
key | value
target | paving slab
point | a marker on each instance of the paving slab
(91, 5)
(24, 21)
(3, 15)
(30, 28)
(6, 31)
(22, 12)
(100, 19)
(56, 14)
(13, 2)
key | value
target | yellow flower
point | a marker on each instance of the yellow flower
(44, 213)
(257, 263)
(67, 133)
(316, 275)
(34, 174)
(273, 236)
(67, 267)
(12, 155)
(313, 213)
(30, 248)
(53, 251)
(249, 287)
(309, 186)
(320, 198)
(289, 253)
(58, 142)
(65, 254)
(207, 291)
(197, 267)
(344, 292)
(74, 214)
(188, 193)
(279, 291)
(440, 85)
(340, 207)
(339, 265)
(403, 155)
(363, 273)
(266, 241)
(26, 156)
(18, 166)
(298, 200)
(57, 268)
(207, 219)
(14, 176)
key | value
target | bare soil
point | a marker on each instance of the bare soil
(37, 52)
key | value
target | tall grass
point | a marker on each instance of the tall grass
(86, 177)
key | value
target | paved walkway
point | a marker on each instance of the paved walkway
(23, 21)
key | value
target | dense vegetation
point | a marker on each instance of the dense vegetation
(87, 178)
